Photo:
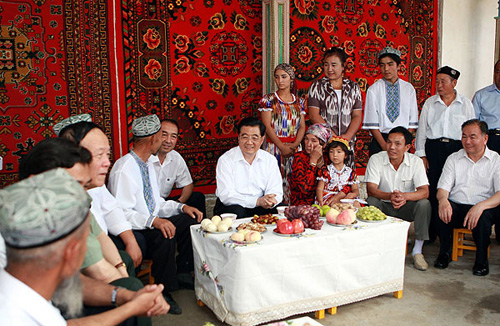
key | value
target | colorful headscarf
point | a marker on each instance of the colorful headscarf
(321, 131)
(286, 68)
(289, 70)
(340, 140)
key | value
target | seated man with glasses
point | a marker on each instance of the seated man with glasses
(248, 178)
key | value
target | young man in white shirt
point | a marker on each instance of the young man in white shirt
(248, 178)
(468, 195)
(397, 184)
(171, 169)
(439, 131)
(390, 102)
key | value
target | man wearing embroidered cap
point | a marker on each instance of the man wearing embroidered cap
(439, 131)
(44, 221)
(58, 127)
(390, 102)
(134, 183)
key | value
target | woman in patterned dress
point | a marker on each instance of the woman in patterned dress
(307, 164)
(283, 115)
(336, 100)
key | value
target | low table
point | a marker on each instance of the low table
(284, 276)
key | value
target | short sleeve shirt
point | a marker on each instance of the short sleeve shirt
(173, 171)
(407, 178)
(94, 250)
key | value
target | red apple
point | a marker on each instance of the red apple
(298, 226)
(285, 227)
(281, 221)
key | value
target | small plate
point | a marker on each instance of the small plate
(371, 221)
(245, 242)
(286, 235)
(236, 230)
(341, 225)
(217, 232)
(350, 201)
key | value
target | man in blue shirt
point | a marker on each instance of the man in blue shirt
(486, 103)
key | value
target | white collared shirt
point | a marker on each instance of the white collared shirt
(470, 182)
(107, 211)
(125, 183)
(21, 305)
(375, 116)
(407, 178)
(241, 183)
(438, 120)
(172, 171)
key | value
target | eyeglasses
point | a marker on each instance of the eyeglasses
(246, 137)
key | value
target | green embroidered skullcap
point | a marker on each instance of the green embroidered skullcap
(146, 126)
(42, 209)
(58, 127)
(389, 50)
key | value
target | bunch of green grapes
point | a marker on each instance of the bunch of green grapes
(370, 213)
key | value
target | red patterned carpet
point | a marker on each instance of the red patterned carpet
(198, 61)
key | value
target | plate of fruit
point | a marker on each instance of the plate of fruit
(217, 225)
(343, 218)
(252, 227)
(246, 237)
(370, 214)
(285, 228)
(269, 220)
(308, 214)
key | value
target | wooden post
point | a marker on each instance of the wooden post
(275, 39)
(320, 314)
(398, 294)
(332, 310)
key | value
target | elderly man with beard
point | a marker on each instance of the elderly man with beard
(57, 152)
(45, 222)
(163, 223)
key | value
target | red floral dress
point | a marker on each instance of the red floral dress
(303, 180)
(337, 181)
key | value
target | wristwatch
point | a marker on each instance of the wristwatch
(114, 294)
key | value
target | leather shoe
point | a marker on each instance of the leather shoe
(175, 309)
(419, 262)
(480, 269)
(442, 261)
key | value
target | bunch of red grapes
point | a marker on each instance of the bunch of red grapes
(308, 214)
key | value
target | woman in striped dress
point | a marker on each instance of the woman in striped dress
(283, 114)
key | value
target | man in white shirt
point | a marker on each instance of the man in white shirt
(397, 184)
(468, 195)
(163, 224)
(171, 169)
(46, 244)
(390, 102)
(248, 178)
(439, 131)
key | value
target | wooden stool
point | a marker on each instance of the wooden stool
(460, 243)
(146, 270)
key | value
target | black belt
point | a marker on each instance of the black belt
(494, 132)
(444, 140)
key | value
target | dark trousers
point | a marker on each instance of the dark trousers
(162, 250)
(241, 211)
(481, 233)
(437, 152)
(374, 146)
(197, 200)
(141, 241)
(494, 142)
(130, 283)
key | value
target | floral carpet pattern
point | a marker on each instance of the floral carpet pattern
(196, 61)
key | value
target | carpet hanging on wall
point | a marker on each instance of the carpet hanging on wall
(363, 28)
(197, 61)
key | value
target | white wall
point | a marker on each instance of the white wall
(468, 41)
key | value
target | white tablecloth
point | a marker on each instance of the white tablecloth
(280, 277)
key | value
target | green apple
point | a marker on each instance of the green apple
(325, 210)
